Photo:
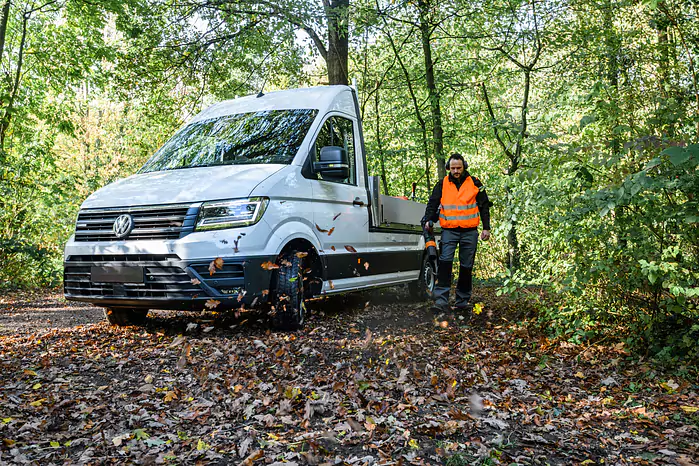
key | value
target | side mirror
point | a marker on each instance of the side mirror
(333, 163)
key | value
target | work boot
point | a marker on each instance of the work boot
(442, 287)
(439, 308)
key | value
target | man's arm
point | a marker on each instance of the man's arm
(483, 207)
(432, 209)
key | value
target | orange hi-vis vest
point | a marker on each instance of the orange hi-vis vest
(459, 208)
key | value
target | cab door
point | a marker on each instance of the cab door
(340, 207)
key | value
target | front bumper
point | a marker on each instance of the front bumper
(168, 281)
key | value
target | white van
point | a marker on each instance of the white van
(258, 202)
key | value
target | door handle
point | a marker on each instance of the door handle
(358, 202)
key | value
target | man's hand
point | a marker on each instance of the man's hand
(485, 235)
(429, 227)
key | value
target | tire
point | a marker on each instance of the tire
(125, 316)
(289, 312)
(421, 290)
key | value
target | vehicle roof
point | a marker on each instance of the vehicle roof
(322, 98)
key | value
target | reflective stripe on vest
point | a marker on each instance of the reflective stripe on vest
(459, 208)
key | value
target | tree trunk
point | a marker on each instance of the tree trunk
(7, 111)
(513, 252)
(612, 46)
(337, 12)
(433, 93)
(4, 19)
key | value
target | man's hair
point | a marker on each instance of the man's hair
(456, 156)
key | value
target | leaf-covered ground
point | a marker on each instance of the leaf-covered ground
(373, 379)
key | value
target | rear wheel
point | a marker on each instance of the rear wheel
(424, 286)
(125, 316)
(289, 312)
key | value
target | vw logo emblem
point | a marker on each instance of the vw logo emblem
(123, 226)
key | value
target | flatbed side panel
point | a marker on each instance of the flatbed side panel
(394, 214)
(401, 212)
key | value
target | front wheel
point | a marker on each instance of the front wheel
(423, 287)
(288, 311)
(125, 316)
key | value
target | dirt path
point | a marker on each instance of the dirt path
(23, 314)
(372, 379)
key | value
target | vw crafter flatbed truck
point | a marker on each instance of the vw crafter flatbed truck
(258, 202)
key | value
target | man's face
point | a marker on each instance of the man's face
(456, 168)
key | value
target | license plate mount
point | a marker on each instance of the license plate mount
(116, 274)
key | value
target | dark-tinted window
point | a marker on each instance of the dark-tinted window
(338, 131)
(271, 136)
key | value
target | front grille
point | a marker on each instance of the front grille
(164, 278)
(229, 271)
(150, 222)
(228, 280)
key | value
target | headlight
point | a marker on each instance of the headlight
(230, 214)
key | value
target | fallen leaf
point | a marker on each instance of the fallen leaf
(335, 217)
(254, 456)
(689, 409)
(475, 401)
(195, 281)
(215, 264)
(477, 308)
(670, 385)
(330, 283)
(301, 254)
(333, 248)
(366, 265)
(178, 341)
(350, 248)
(609, 381)
(330, 232)
(212, 303)
(182, 361)
(259, 344)
(320, 229)
(269, 265)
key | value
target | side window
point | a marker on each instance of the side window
(338, 131)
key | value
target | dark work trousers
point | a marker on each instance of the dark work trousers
(467, 242)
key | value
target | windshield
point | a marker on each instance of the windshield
(270, 136)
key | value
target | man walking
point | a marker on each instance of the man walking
(460, 202)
